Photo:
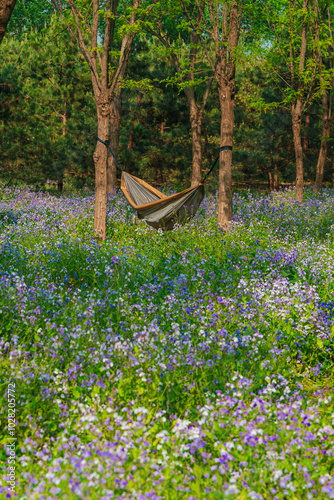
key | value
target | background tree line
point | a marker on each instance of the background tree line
(168, 83)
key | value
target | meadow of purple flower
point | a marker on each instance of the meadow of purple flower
(186, 365)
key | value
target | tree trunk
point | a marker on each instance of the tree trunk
(159, 174)
(296, 129)
(60, 182)
(129, 146)
(275, 178)
(206, 144)
(326, 132)
(270, 181)
(225, 210)
(115, 127)
(306, 134)
(6, 10)
(100, 162)
(195, 121)
(64, 120)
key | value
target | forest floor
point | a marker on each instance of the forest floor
(184, 365)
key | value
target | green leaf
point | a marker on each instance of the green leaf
(75, 392)
(96, 390)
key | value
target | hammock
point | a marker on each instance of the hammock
(157, 209)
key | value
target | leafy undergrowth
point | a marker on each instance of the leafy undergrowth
(185, 365)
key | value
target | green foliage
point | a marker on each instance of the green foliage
(293, 76)
(29, 16)
(41, 72)
(46, 108)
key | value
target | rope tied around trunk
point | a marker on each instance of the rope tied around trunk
(107, 144)
(213, 166)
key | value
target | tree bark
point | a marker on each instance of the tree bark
(129, 146)
(60, 182)
(326, 131)
(327, 120)
(225, 209)
(275, 178)
(6, 10)
(206, 143)
(270, 181)
(159, 177)
(100, 162)
(196, 121)
(159, 174)
(115, 127)
(306, 137)
(327, 105)
(297, 141)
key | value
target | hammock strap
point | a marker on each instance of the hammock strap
(213, 166)
(107, 144)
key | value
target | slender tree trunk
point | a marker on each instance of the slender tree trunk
(206, 143)
(64, 120)
(159, 174)
(197, 154)
(100, 163)
(159, 177)
(275, 178)
(115, 127)
(296, 129)
(195, 121)
(270, 181)
(326, 132)
(6, 10)
(225, 210)
(129, 146)
(306, 134)
(60, 182)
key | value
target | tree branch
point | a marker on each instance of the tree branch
(106, 46)
(79, 39)
(206, 94)
(213, 67)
